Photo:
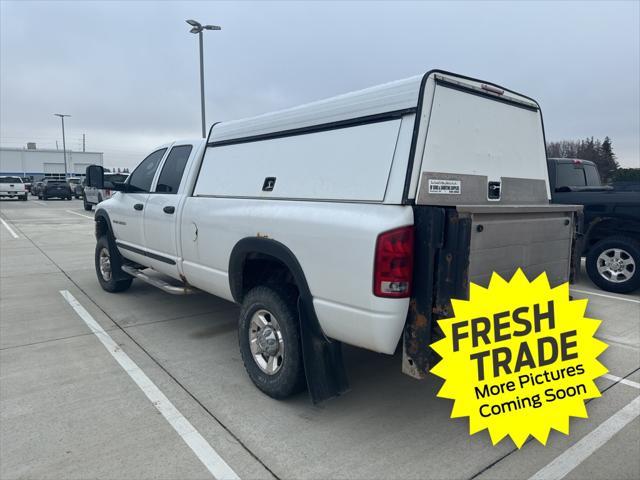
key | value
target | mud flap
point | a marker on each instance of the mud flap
(323, 366)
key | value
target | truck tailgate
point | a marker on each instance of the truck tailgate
(459, 245)
(537, 239)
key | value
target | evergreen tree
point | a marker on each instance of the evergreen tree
(607, 164)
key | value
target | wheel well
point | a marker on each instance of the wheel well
(102, 226)
(263, 269)
(609, 227)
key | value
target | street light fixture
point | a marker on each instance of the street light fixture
(198, 28)
(64, 145)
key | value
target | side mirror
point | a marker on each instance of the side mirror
(119, 186)
(95, 176)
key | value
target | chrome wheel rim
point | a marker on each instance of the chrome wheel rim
(266, 342)
(616, 265)
(105, 264)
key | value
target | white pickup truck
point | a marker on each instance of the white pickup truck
(353, 219)
(13, 187)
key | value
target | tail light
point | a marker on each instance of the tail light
(393, 267)
(107, 193)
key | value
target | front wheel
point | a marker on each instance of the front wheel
(612, 264)
(270, 341)
(107, 262)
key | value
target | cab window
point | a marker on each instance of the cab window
(570, 175)
(142, 177)
(173, 168)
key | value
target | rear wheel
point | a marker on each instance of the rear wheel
(612, 264)
(108, 262)
(24, 198)
(270, 341)
(87, 205)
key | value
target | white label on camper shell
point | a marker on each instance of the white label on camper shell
(447, 187)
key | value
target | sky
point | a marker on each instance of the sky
(128, 72)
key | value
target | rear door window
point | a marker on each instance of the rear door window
(142, 176)
(173, 168)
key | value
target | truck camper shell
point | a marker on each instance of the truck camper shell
(367, 146)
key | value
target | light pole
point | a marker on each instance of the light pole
(64, 145)
(198, 28)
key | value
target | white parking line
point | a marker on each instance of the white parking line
(80, 215)
(589, 292)
(581, 450)
(6, 225)
(207, 455)
(39, 203)
(624, 381)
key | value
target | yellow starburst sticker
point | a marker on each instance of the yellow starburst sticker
(519, 358)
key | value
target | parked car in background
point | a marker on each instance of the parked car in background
(27, 183)
(611, 234)
(12, 187)
(93, 196)
(54, 188)
(75, 183)
(36, 187)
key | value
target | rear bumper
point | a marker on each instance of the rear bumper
(12, 193)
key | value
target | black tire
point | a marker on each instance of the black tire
(87, 206)
(630, 255)
(69, 198)
(24, 198)
(280, 304)
(117, 281)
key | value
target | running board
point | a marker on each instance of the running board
(157, 282)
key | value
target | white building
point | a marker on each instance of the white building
(39, 163)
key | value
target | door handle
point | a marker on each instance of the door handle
(169, 209)
(138, 206)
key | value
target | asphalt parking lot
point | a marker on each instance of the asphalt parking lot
(68, 408)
